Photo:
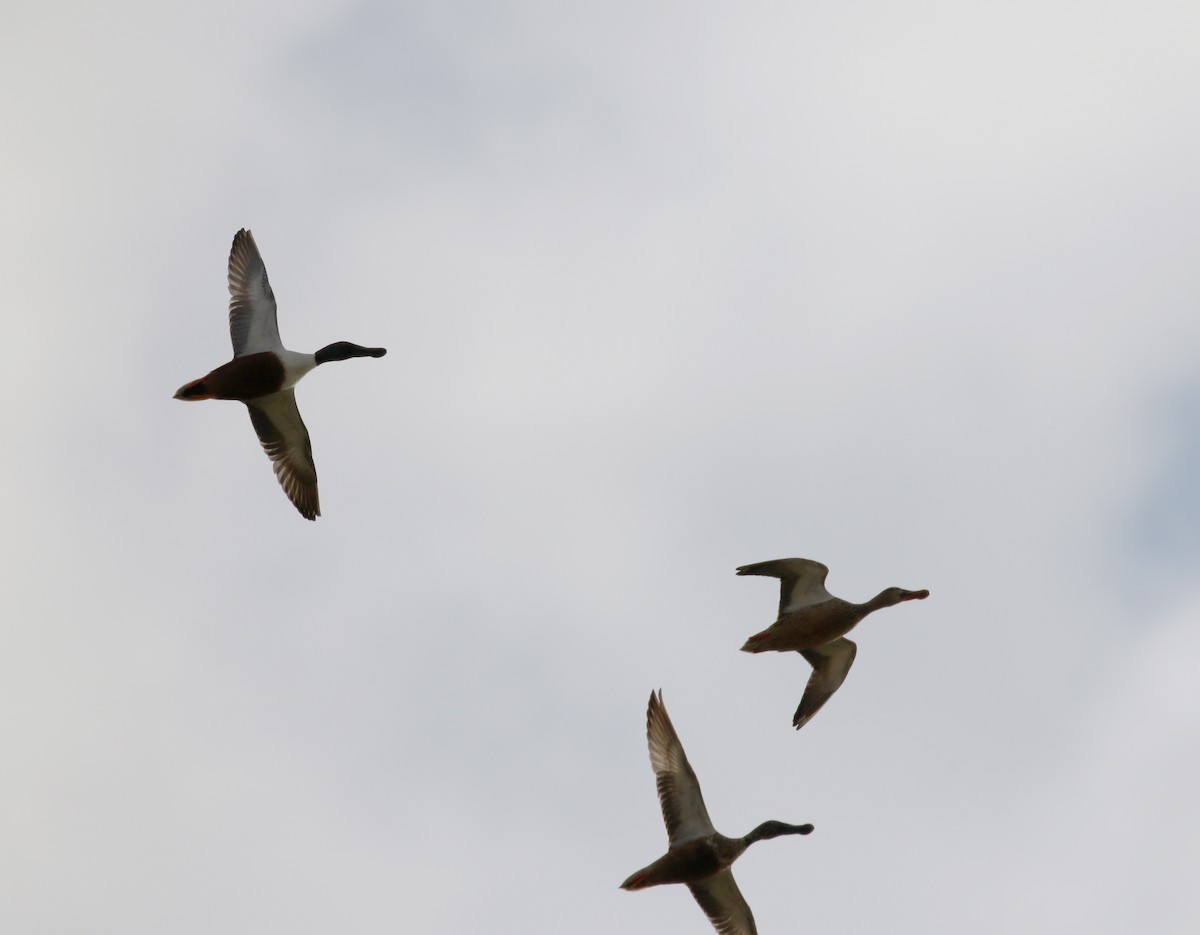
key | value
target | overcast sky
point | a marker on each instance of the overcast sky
(907, 288)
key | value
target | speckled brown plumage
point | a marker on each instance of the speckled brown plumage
(814, 623)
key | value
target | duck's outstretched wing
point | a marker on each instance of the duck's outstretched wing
(724, 904)
(679, 795)
(252, 323)
(801, 581)
(831, 664)
(285, 440)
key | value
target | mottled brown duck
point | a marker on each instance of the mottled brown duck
(263, 372)
(698, 854)
(814, 623)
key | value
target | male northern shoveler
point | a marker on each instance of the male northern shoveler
(698, 854)
(813, 623)
(263, 372)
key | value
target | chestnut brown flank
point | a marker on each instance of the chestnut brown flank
(246, 377)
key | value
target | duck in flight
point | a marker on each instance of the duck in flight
(263, 372)
(698, 854)
(814, 623)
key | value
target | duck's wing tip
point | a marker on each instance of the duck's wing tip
(679, 795)
(784, 568)
(253, 326)
(831, 664)
(285, 439)
(801, 580)
(724, 904)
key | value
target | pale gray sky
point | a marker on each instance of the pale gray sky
(907, 288)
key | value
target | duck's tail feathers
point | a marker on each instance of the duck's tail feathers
(637, 881)
(757, 643)
(196, 390)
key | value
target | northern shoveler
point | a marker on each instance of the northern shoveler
(263, 372)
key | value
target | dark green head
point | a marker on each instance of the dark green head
(344, 350)
(775, 829)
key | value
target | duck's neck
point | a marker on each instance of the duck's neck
(295, 365)
(879, 601)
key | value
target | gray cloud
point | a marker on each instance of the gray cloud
(665, 292)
